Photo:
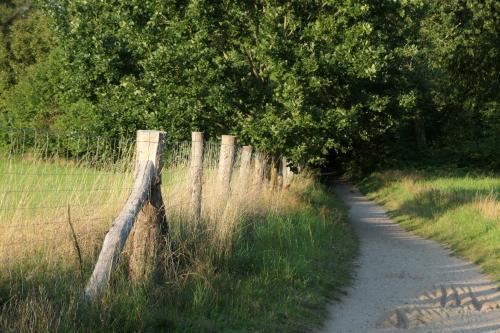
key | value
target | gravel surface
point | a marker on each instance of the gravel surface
(404, 283)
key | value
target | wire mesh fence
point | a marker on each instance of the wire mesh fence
(50, 183)
(59, 195)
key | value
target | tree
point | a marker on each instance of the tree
(363, 82)
(466, 36)
(25, 42)
(296, 78)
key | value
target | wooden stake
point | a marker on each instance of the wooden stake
(259, 168)
(226, 161)
(287, 174)
(245, 164)
(196, 175)
(151, 221)
(145, 195)
(280, 168)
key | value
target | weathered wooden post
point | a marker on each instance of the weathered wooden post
(287, 174)
(245, 164)
(226, 161)
(144, 208)
(151, 221)
(281, 171)
(273, 181)
(196, 175)
(259, 168)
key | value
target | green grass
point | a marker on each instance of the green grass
(282, 268)
(457, 209)
(28, 183)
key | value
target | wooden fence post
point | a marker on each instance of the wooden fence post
(287, 174)
(274, 172)
(259, 168)
(281, 172)
(245, 163)
(151, 221)
(226, 161)
(196, 175)
(145, 195)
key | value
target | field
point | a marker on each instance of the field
(264, 260)
(38, 201)
(458, 209)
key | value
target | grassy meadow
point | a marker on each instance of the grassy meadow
(39, 200)
(264, 260)
(458, 209)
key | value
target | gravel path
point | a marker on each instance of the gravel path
(408, 284)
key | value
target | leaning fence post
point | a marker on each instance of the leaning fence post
(144, 204)
(226, 161)
(245, 163)
(196, 174)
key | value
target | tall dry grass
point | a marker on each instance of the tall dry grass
(226, 272)
(56, 190)
(488, 206)
(47, 187)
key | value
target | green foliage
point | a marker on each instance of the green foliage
(33, 101)
(363, 83)
(448, 104)
(466, 36)
(294, 78)
(4, 69)
(30, 40)
(25, 37)
(28, 69)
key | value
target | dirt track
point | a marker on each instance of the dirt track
(404, 283)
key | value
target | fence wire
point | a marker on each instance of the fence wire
(55, 188)
(49, 181)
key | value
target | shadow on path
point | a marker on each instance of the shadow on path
(405, 283)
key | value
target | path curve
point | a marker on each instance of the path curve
(404, 283)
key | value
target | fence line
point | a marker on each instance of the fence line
(201, 183)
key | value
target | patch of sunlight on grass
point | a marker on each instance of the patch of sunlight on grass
(461, 211)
